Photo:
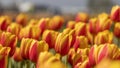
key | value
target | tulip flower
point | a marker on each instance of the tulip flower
(14, 28)
(71, 24)
(50, 37)
(8, 40)
(4, 22)
(48, 60)
(80, 29)
(104, 37)
(98, 53)
(117, 30)
(43, 24)
(115, 13)
(63, 43)
(17, 56)
(56, 23)
(4, 52)
(30, 32)
(33, 22)
(31, 48)
(21, 19)
(81, 42)
(81, 17)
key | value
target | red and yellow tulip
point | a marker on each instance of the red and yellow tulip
(117, 30)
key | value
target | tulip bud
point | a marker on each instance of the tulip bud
(81, 17)
(81, 42)
(104, 37)
(117, 30)
(63, 43)
(80, 29)
(8, 40)
(71, 24)
(14, 28)
(48, 60)
(21, 19)
(17, 56)
(56, 23)
(4, 22)
(50, 37)
(115, 13)
(4, 52)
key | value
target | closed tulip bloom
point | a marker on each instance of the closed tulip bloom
(4, 22)
(63, 43)
(14, 28)
(98, 53)
(33, 22)
(80, 29)
(48, 60)
(81, 17)
(8, 40)
(4, 52)
(117, 30)
(56, 23)
(50, 37)
(104, 37)
(115, 13)
(17, 56)
(71, 24)
(30, 32)
(21, 19)
(81, 42)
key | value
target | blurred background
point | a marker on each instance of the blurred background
(51, 7)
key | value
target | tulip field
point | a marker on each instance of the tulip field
(52, 42)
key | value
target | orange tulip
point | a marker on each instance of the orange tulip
(81, 42)
(48, 60)
(117, 30)
(50, 37)
(21, 19)
(115, 13)
(17, 56)
(31, 48)
(98, 53)
(104, 37)
(30, 32)
(56, 23)
(4, 52)
(71, 24)
(80, 29)
(14, 28)
(4, 22)
(81, 17)
(8, 40)
(63, 43)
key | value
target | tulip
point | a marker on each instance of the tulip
(33, 22)
(98, 53)
(115, 13)
(80, 29)
(4, 22)
(48, 60)
(21, 19)
(56, 23)
(81, 42)
(104, 37)
(31, 48)
(14, 28)
(8, 40)
(63, 43)
(43, 24)
(81, 17)
(17, 56)
(50, 37)
(30, 32)
(117, 30)
(71, 24)
(4, 52)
